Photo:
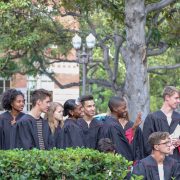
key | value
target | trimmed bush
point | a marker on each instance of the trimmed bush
(62, 164)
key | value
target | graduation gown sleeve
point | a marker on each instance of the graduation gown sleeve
(24, 136)
(71, 137)
(113, 131)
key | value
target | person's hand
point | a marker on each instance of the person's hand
(138, 121)
(175, 142)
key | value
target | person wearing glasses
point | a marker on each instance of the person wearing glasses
(158, 165)
(166, 119)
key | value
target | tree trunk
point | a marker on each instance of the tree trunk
(134, 54)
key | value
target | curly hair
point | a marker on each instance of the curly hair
(8, 97)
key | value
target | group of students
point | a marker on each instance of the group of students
(114, 133)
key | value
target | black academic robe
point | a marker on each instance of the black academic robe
(26, 133)
(137, 144)
(148, 168)
(56, 135)
(92, 133)
(7, 130)
(157, 121)
(113, 130)
(71, 135)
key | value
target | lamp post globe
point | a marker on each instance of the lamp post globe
(76, 42)
(90, 41)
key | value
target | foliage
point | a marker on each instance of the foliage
(62, 164)
(28, 30)
(162, 77)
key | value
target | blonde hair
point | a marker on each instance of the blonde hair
(170, 90)
(50, 117)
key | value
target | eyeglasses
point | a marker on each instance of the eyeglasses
(168, 143)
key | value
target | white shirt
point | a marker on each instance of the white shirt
(161, 171)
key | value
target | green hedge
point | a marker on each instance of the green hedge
(62, 164)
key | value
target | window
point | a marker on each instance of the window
(4, 86)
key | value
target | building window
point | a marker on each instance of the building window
(4, 86)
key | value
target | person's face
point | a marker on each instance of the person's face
(58, 113)
(89, 108)
(164, 146)
(173, 101)
(77, 111)
(44, 104)
(18, 103)
(122, 110)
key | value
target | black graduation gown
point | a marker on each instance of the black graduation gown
(56, 135)
(71, 135)
(26, 133)
(114, 131)
(137, 144)
(7, 130)
(157, 121)
(93, 133)
(148, 168)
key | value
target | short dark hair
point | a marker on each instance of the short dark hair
(86, 98)
(39, 94)
(70, 104)
(114, 102)
(8, 97)
(156, 137)
(170, 90)
(106, 145)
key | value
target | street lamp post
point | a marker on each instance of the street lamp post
(84, 54)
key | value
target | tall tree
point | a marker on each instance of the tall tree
(135, 32)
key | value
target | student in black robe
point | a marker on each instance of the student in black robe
(12, 101)
(71, 134)
(92, 128)
(54, 117)
(158, 165)
(126, 135)
(166, 119)
(32, 131)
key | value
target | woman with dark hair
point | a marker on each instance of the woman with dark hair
(54, 117)
(13, 102)
(71, 134)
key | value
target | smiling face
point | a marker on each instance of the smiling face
(173, 100)
(89, 108)
(121, 110)
(18, 103)
(76, 113)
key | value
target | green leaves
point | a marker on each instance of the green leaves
(56, 164)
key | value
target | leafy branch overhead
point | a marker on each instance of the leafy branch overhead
(30, 28)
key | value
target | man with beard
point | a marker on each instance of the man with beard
(158, 166)
(166, 119)
(32, 131)
(92, 128)
(126, 135)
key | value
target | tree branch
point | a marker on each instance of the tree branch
(158, 5)
(151, 69)
(118, 43)
(160, 50)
